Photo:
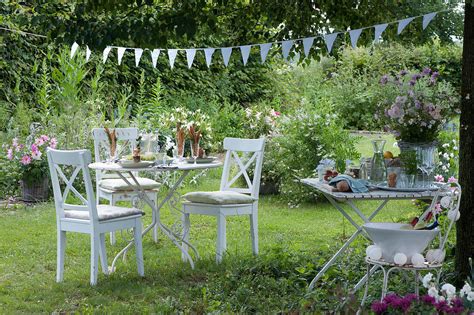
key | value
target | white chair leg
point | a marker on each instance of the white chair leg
(366, 287)
(221, 237)
(61, 249)
(137, 231)
(95, 240)
(153, 214)
(112, 234)
(417, 290)
(103, 254)
(186, 227)
(254, 231)
(385, 283)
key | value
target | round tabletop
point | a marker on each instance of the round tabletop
(110, 166)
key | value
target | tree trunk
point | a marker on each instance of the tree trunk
(465, 225)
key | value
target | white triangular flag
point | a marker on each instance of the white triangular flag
(226, 52)
(379, 29)
(88, 53)
(154, 56)
(208, 52)
(285, 48)
(245, 51)
(355, 36)
(105, 54)
(120, 52)
(264, 49)
(138, 56)
(307, 44)
(190, 53)
(172, 56)
(427, 19)
(403, 23)
(329, 39)
(74, 47)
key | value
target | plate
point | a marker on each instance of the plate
(132, 164)
(205, 160)
(384, 186)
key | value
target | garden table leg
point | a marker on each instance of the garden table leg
(156, 218)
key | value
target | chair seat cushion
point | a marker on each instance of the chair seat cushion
(104, 212)
(218, 197)
(118, 184)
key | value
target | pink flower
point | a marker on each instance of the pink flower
(10, 154)
(437, 208)
(35, 152)
(452, 179)
(39, 141)
(45, 138)
(15, 142)
(275, 113)
(53, 143)
(25, 160)
(439, 178)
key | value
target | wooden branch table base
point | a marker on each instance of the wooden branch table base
(335, 198)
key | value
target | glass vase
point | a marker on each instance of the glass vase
(378, 171)
(180, 137)
(419, 160)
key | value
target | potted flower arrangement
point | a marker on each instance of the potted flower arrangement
(31, 157)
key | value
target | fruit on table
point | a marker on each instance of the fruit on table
(388, 155)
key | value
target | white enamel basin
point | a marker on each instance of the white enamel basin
(395, 238)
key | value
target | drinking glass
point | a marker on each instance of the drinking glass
(194, 150)
(426, 162)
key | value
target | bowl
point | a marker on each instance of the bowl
(395, 238)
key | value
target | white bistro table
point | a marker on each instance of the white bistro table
(339, 198)
(184, 169)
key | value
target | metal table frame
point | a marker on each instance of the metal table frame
(335, 198)
(132, 181)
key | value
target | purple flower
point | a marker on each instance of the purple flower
(411, 93)
(10, 154)
(427, 299)
(412, 82)
(403, 72)
(435, 75)
(416, 76)
(384, 79)
(426, 71)
(417, 104)
(379, 307)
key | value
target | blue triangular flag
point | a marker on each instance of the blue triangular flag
(427, 19)
(355, 36)
(264, 49)
(190, 53)
(307, 44)
(245, 51)
(379, 29)
(226, 52)
(403, 23)
(208, 52)
(329, 39)
(285, 48)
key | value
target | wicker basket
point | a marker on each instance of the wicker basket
(35, 192)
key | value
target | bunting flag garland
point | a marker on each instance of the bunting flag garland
(245, 51)
(105, 54)
(307, 43)
(403, 23)
(138, 56)
(120, 52)
(427, 19)
(74, 47)
(264, 49)
(208, 52)
(88, 53)
(286, 45)
(379, 29)
(355, 34)
(190, 54)
(172, 56)
(226, 52)
(154, 56)
(329, 39)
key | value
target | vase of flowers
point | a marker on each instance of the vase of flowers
(31, 157)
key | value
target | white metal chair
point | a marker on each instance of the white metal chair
(229, 200)
(89, 217)
(449, 196)
(110, 186)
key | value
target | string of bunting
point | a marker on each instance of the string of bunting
(286, 45)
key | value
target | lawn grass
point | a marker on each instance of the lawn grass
(294, 244)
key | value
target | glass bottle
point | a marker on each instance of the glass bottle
(378, 171)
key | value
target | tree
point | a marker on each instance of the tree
(465, 225)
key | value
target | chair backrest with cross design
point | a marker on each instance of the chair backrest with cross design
(244, 153)
(79, 160)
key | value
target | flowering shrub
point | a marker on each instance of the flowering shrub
(31, 157)
(181, 118)
(258, 123)
(416, 106)
(448, 151)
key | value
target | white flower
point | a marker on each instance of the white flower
(427, 279)
(466, 289)
(446, 155)
(449, 289)
(433, 292)
(36, 155)
(470, 296)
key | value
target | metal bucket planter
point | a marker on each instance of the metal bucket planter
(36, 191)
